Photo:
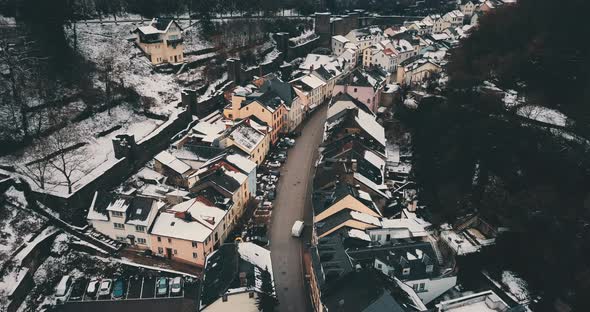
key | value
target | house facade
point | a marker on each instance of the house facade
(189, 231)
(416, 72)
(253, 140)
(161, 41)
(124, 218)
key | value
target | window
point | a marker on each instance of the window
(387, 237)
(355, 90)
(194, 244)
(195, 255)
(116, 214)
(159, 239)
(140, 228)
(160, 250)
(415, 287)
(406, 271)
(121, 238)
(169, 240)
(421, 288)
(216, 237)
(429, 268)
(379, 266)
(175, 251)
(141, 240)
(119, 226)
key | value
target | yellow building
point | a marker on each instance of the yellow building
(268, 108)
(161, 41)
(249, 137)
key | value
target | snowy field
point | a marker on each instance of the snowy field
(96, 153)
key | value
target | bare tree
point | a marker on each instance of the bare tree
(38, 166)
(68, 159)
(111, 68)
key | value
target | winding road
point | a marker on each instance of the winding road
(293, 202)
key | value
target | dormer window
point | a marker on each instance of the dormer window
(406, 271)
(117, 214)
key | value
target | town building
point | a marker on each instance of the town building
(416, 70)
(364, 85)
(267, 107)
(126, 218)
(161, 41)
(189, 231)
(234, 276)
(249, 137)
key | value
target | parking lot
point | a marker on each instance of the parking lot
(140, 293)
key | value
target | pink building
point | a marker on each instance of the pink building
(364, 85)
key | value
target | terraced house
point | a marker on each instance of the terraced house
(161, 41)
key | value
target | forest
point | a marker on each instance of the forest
(473, 155)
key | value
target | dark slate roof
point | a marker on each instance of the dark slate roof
(219, 178)
(103, 199)
(355, 78)
(348, 121)
(139, 208)
(324, 200)
(365, 291)
(333, 258)
(269, 99)
(217, 198)
(332, 221)
(324, 74)
(282, 89)
(220, 271)
(334, 147)
(401, 255)
(346, 97)
(162, 23)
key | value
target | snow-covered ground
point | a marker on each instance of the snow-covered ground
(17, 224)
(543, 114)
(98, 150)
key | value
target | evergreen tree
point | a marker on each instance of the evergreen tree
(266, 301)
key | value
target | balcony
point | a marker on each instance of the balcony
(150, 39)
(174, 42)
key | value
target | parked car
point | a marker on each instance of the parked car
(92, 288)
(105, 287)
(119, 288)
(162, 286)
(62, 288)
(275, 173)
(78, 288)
(270, 187)
(259, 198)
(270, 195)
(176, 285)
(260, 241)
(267, 204)
(274, 164)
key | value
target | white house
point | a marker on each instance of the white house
(455, 18)
(415, 265)
(124, 218)
(467, 7)
(311, 89)
(392, 229)
(365, 37)
(338, 43)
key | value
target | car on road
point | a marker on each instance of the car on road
(119, 288)
(92, 288)
(78, 288)
(270, 195)
(162, 286)
(297, 228)
(105, 287)
(267, 204)
(275, 173)
(176, 285)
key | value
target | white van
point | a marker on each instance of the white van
(297, 228)
(62, 288)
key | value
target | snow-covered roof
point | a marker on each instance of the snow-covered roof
(416, 228)
(359, 234)
(94, 214)
(543, 114)
(246, 137)
(255, 255)
(340, 38)
(312, 81)
(172, 162)
(379, 189)
(210, 128)
(374, 159)
(192, 220)
(366, 218)
(119, 205)
(242, 162)
(371, 126)
(315, 61)
(149, 30)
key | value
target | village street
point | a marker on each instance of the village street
(292, 200)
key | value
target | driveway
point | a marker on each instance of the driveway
(293, 198)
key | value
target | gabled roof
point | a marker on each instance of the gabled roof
(168, 160)
(282, 89)
(246, 137)
(343, 101)
(192, 220)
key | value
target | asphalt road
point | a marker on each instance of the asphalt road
(290, 205)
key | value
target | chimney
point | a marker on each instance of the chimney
(224, 297)
(354, 165)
